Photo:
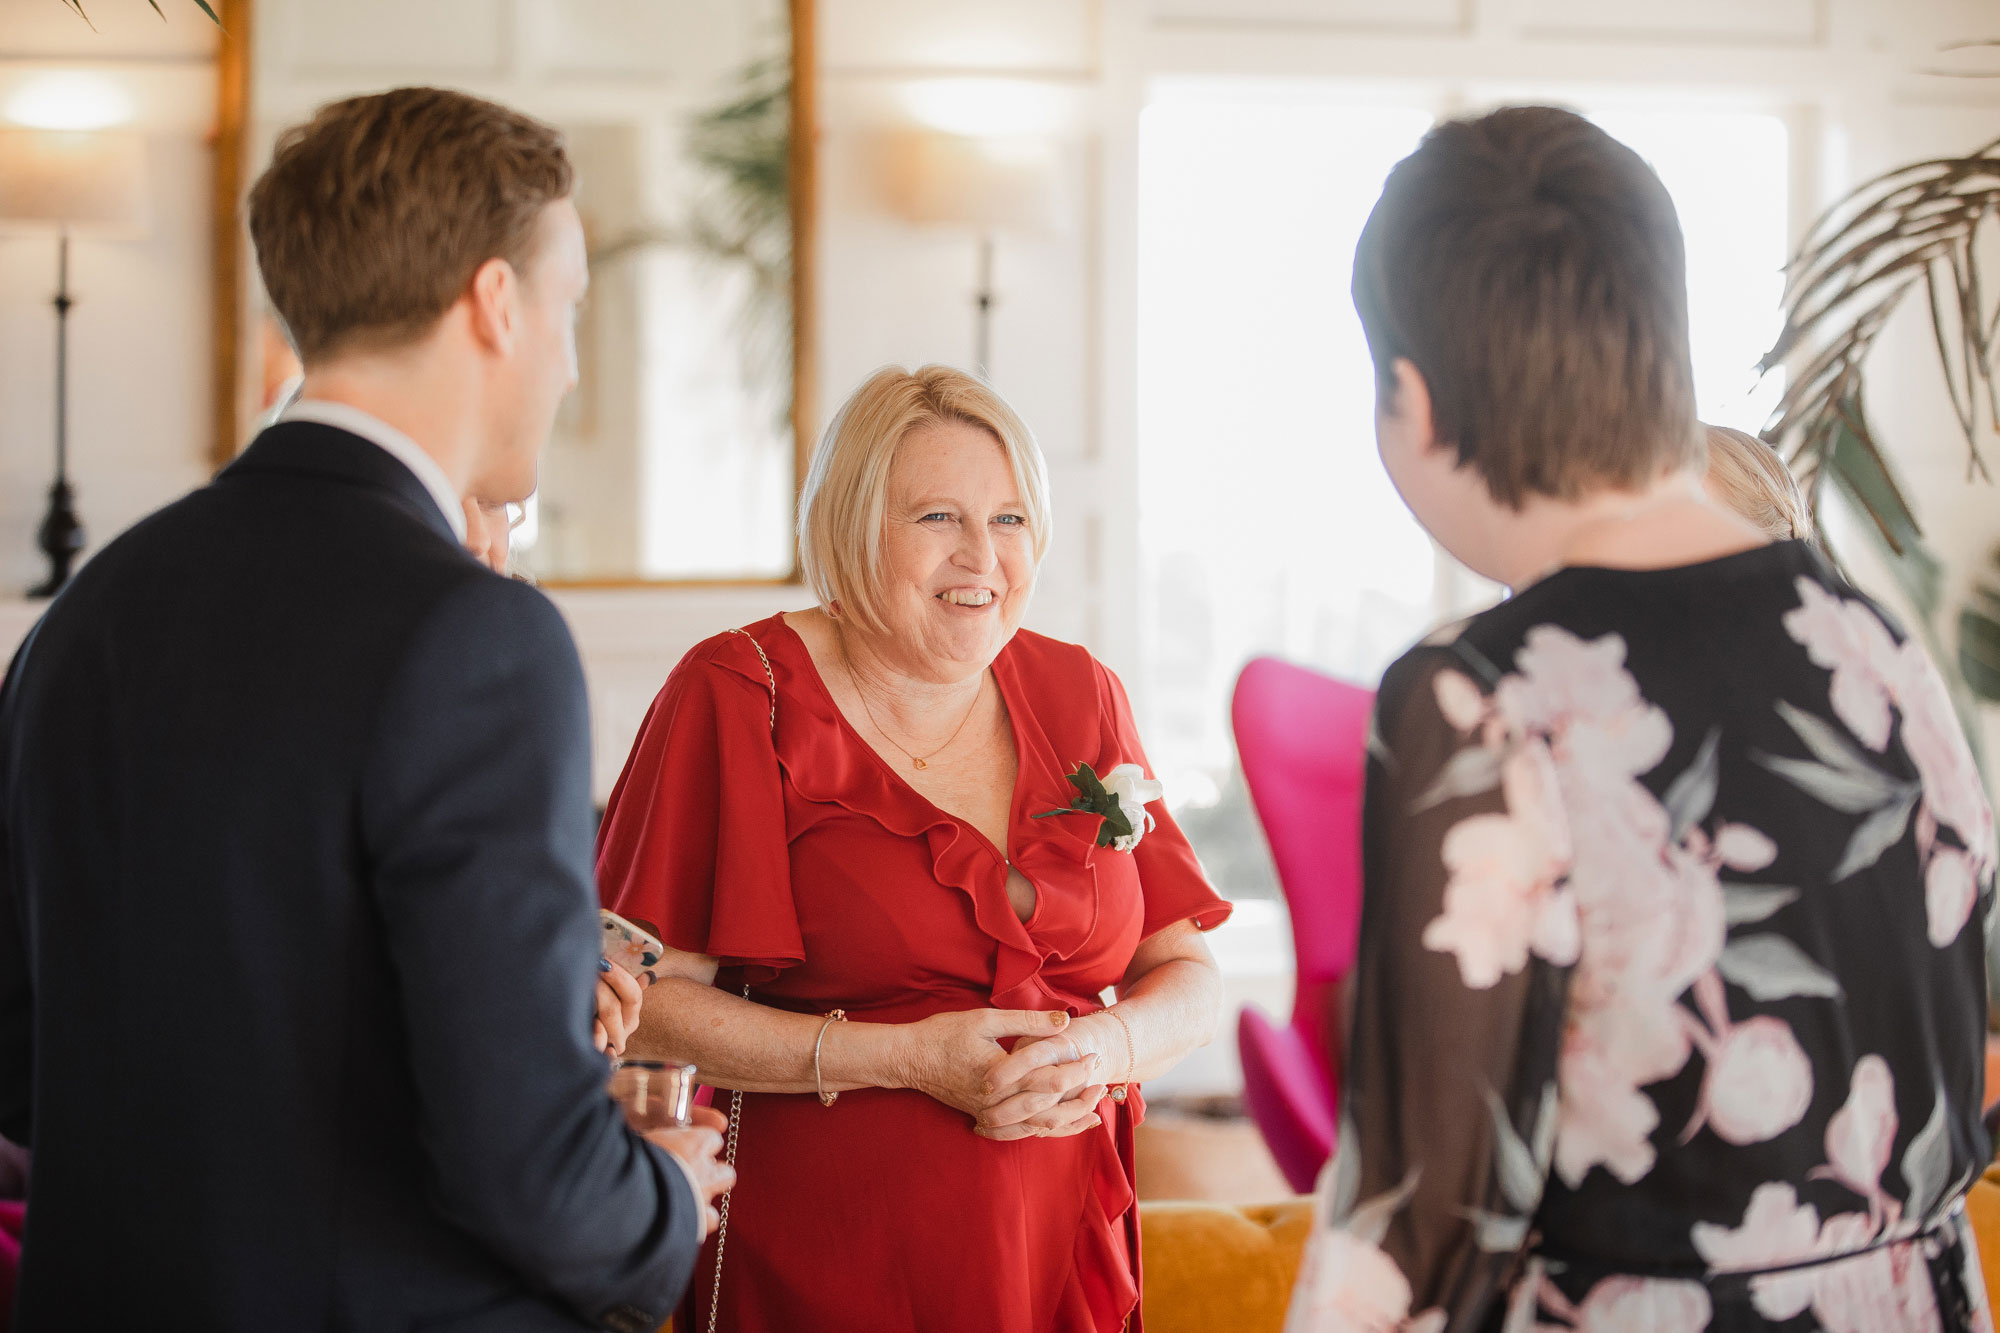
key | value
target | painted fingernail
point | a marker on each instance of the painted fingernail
(1058, 1017)
(604, 964)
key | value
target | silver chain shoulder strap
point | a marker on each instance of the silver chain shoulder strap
(736, 1098)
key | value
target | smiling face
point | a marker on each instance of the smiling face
(957, 553)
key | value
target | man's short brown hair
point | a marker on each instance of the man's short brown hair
(1531, 267)
(374, 215)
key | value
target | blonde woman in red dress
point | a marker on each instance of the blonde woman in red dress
(838, 809)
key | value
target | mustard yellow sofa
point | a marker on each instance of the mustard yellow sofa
(1211, 1268)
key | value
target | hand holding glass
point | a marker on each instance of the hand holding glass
(655, 1094)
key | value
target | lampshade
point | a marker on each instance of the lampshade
(86, 180)
(982, 184)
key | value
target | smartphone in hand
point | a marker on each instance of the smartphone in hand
(630, 947)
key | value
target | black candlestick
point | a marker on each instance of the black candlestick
(61, 535)
(982, 301)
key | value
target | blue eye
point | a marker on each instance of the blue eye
(928, 517)
(1014, 519)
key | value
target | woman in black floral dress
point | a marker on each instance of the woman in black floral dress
(1670, 1003)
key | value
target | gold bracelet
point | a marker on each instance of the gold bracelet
(1131, 1054)
(825, 1098)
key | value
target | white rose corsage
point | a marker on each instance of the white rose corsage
(1119, 799)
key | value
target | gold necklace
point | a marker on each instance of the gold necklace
(917, 761)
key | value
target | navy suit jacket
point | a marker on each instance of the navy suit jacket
(298, 953)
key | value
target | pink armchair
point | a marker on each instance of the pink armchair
(1303, 738)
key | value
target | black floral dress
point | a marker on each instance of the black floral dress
(1670, 1002)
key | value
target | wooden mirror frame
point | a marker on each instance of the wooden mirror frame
(232, 327)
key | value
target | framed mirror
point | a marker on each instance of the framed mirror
(678, 458)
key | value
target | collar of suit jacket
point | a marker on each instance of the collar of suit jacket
(404, 449)
(310, 448)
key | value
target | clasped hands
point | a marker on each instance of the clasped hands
(1048, 1086)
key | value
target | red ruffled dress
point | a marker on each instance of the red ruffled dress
(819, 876)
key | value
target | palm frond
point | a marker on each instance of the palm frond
(202, 5)
(1918, 224)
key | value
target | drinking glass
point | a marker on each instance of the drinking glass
(655, 1094)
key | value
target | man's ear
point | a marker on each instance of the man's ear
(494, 298)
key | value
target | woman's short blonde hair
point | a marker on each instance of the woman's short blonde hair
(1748, 476)
(843, 505)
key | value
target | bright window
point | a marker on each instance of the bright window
(1266, 523)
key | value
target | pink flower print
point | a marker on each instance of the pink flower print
(1880, 1290)
(1696, 924)
(1631, 1305)
(1953, 792)
(1625, 746)
(1777, 1230)
(1848, 638)
(1759, 1082)
(1743, 848)
(1558, 678)
(1359, 1281)
(1625, 1030)
(1606, 1121)
(1580, 695)
(1950, 890)
(1347, 1285)
(1459, 700)
(1503, 898)
(1887, 1290)
(1862, 1134)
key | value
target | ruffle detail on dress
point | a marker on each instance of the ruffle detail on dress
(1103, 1288)
(827, 763)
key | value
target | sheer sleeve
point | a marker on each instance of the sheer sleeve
(694, 840)
(1170, 875)
(1468, 932)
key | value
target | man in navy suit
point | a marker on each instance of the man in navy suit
(298, 955)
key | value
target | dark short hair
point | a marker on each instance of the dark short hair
(374, 215)
(1531, 268)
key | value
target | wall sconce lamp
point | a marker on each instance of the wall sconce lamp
(68, 181)
(984, 162)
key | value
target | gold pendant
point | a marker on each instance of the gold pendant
(918, 763)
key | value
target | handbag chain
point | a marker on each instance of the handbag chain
(736, 1098)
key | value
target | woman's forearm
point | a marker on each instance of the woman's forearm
(1171, 1010)
(738, 1044)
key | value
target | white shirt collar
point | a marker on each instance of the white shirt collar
(393, 442)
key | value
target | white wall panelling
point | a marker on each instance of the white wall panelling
(1047, 36)
(1430, 17)
(437, 39)
(1761, 22)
